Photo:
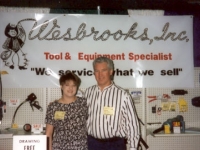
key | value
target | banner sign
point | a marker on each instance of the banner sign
(148, 51)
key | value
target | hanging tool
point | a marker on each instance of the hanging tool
(163, 97)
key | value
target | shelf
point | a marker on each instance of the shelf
(4, 134)
(177, 134)
(162, 134)
(8, 134)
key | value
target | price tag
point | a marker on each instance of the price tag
(36, 128)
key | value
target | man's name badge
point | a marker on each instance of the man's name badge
(108, 110)
(59, 115)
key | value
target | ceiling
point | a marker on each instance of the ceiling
(121, 5)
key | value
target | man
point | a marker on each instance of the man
(112, 118)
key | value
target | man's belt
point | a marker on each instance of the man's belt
(113, 139)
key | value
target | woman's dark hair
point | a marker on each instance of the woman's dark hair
(70, 76)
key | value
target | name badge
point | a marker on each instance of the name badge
(108, 110)
(59, 115)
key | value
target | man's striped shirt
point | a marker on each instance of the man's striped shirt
(123, 122)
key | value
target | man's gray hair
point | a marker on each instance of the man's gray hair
(104, 59)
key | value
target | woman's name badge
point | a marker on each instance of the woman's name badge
(108, 110)
(59, 115)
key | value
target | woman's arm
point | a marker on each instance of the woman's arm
(49, 133)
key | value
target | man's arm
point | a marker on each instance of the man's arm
(133, 127)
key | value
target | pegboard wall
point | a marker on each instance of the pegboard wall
(142, 104)
(191, 117)
(44, 97)
(25, 114)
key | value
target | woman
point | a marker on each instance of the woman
(66, 117)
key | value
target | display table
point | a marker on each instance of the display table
(162, 134)
(8, 134)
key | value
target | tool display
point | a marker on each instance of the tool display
(179, 92)
(164, 97)
(183, 106)
(169, 122)
(196, 101)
